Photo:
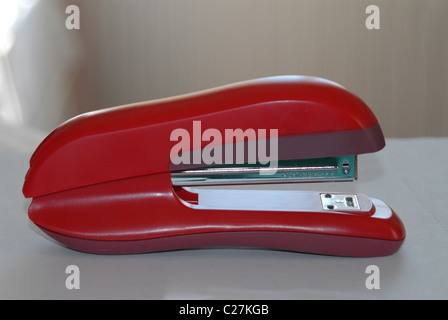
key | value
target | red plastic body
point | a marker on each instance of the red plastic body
(101, 182)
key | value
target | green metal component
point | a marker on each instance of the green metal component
(342, 168)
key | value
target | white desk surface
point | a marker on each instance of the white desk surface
(409, 174)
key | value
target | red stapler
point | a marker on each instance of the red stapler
(131, 179)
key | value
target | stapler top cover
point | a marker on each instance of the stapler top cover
(315, 118)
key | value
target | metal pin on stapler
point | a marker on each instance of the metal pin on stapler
(147, 177)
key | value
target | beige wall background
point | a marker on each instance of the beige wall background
(137, 50)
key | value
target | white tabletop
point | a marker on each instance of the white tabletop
(409, 174)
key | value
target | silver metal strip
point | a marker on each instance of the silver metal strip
(256, 170)
(238, 176)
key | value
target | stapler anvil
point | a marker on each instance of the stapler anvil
(131, 179)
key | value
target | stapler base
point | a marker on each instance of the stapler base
(323, 244)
